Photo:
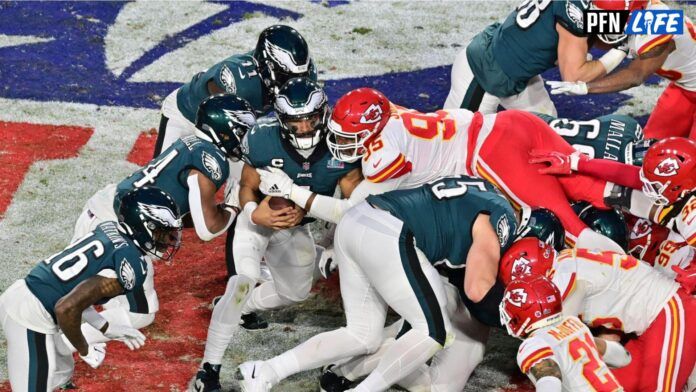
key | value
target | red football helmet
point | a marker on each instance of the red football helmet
(527, 256)
(645, 238)
(669, 170)
(357, 116)
(529, 303)
(617, 5)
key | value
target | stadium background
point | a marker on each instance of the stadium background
(80, 88)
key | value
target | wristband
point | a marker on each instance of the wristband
(249, 209)
(300, 195)
(611, 59)
(548, 384)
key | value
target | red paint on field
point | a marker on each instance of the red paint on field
(24, 144)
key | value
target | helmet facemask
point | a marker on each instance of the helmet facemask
(166, 242)
(347, 147)
(655, 190)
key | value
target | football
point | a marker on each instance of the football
(278, 203)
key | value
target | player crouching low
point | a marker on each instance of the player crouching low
(623, 294)
(59, 292)
(558, 353)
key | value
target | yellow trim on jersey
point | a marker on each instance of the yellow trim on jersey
(535, 357)
(389, 170)
(673, 345)
(488, 177)
(654, 42)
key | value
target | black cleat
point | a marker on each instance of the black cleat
(332, 382)
(252, 322)
(207, 379)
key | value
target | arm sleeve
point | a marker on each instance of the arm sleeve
(332, 209)
(196, 206)
(616, 172)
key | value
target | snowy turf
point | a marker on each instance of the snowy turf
(347, 40)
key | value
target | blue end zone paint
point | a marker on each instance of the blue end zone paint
(72, 66)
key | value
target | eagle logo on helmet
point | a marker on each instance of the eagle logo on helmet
(667, 168)
(285, 59)
(372, 115)
(517, 297)
(160, 214)
(240, 117)
(521, 267)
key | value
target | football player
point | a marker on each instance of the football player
(59, 292)
(402, 148)
(386, 248)
(670, 56)
(558, 352)
(667, 177)
(615, 137)
(280, 54)
(293, 143)
(191, 170)
(620, 293)
(502, 64)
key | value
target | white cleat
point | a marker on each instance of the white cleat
(250, 378)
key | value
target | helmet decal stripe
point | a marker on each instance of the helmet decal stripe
(285, 58)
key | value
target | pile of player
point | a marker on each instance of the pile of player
(434, 220)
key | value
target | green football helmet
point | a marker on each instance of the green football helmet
(544, 225)
(282, 53)
(302, 110)
(224, 119)
(151, 218)
(610, 223)
(635, 151)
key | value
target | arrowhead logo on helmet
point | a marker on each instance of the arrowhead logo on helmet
(640, 229)
(521, 267)
(517, 297)
(372, 115)
(667, 168)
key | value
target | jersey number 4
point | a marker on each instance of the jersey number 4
(151, 172)
(72, 264)
(528, 12)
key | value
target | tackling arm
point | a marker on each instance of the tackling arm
(482, 263)
(572, 58)
(636, 72)
(69, 308)
(209, 219)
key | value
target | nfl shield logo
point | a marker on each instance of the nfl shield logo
(305, 166)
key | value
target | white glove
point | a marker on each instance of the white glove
(95, 355)
(326, 262)
(232, 193)
(568, 88)
(130, 336)
(274, 182)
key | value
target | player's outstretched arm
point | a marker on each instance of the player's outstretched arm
(546, 375)
(572, 58)
(613, 353)
(69, 309)
(482, 264)
(209, 218)
(637, 71)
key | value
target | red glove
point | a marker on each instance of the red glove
(686, 277)
(559, 163)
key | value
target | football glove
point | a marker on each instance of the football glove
(326, 262)
(559, 163)
(686, 277)
(568, 88)
(95, 355)
(274, 182)
(131, 337)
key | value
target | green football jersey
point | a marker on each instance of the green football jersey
(106, 248)
(320, 172)
(607, 137)
(169, 170)
(441, 215)
(237, 75)
(524, 45)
